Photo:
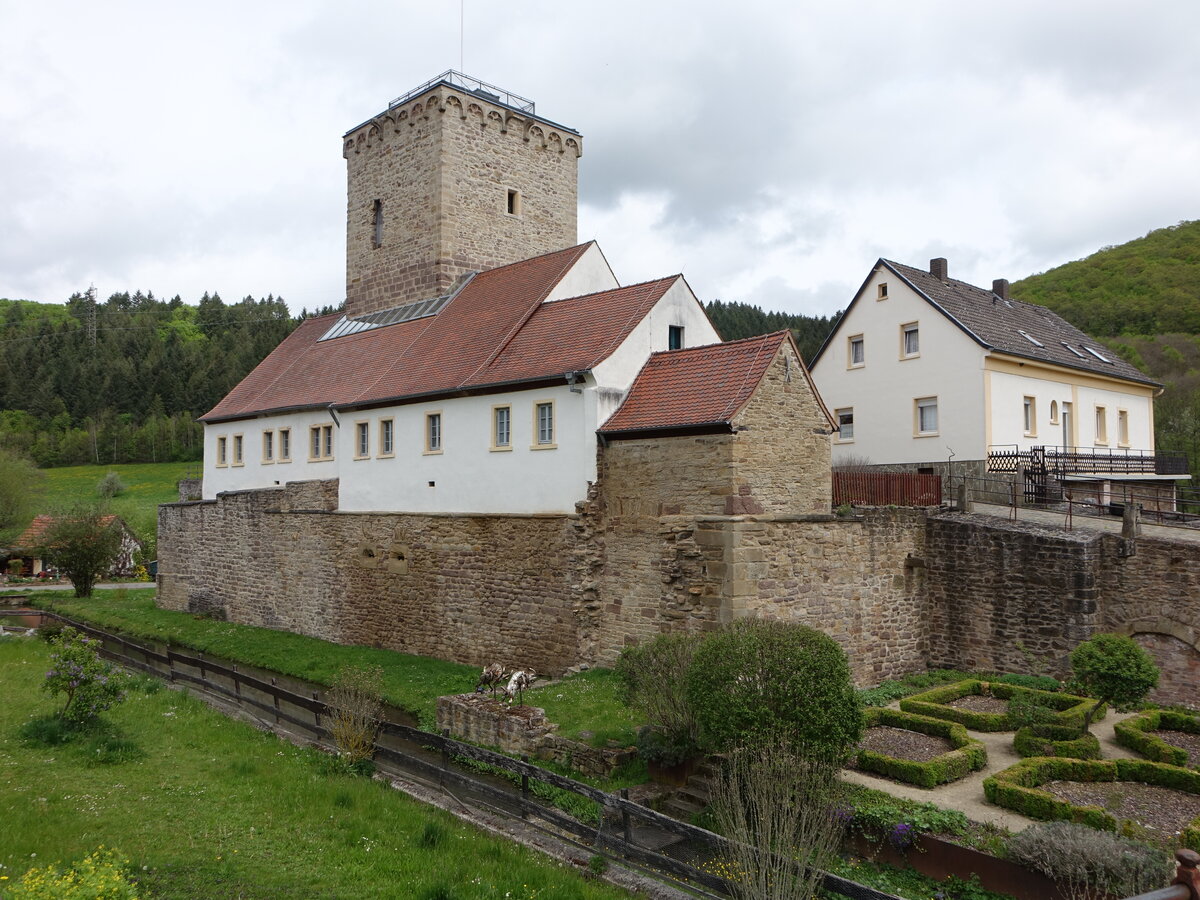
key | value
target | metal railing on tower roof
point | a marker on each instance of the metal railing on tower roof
(475, 86)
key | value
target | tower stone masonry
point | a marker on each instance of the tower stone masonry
(454, 177)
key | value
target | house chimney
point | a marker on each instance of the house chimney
(1000, 288)
(937, 268)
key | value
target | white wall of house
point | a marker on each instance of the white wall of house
(590, 273)
(470, 473)
(883, 391)
(254, 471)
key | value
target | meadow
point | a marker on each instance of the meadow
(206, 807)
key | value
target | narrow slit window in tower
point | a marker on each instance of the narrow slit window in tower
(377, 224)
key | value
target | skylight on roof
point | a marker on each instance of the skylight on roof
(394, 316)
(1072, 349)
(1096, 353)
(1029, 337)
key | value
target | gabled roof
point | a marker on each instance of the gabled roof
(33, 537)
(497, 330)
(1002, 324)
(696, 388)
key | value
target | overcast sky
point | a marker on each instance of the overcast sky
(771, 151)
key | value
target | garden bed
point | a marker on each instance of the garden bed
(1056, 740)
(1164, 735)
(1035, 788)
(917, 749)
(983, 705)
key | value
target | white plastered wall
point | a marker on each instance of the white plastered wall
(255, 472)
(882, 392)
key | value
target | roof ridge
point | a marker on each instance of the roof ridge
(639, 313)
(286, 369)
(620, 287)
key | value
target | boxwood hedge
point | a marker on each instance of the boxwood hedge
(968, 755)
(1018, 788)
(1056, 740)
(1069, 709)
(1138, 734)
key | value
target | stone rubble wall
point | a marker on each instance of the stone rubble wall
(475, 589)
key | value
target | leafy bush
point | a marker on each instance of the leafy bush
(878, 815)
(653, 680)
(1056, 740)
(968, 755)
(91, 685)
(665, 748)
(769, 683)
(100, 874)
(82, 545)
(1114, 669)
(1036, 682)
(1138, 734)
(355, 704)
(1090, 863)
(110, 486)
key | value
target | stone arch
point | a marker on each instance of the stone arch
(554, 142)
(1175, 647)
(417, 109)
(453, 104)
(373, 134)
(534, 134)
(573, 144)
(494, 118)
(401, 116)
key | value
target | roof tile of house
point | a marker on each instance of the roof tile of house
(694, 387)
(997, 323)
(496, 330)
(32, 537)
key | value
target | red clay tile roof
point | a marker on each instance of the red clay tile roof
(31, 538)
(496, 330)
(698, 386)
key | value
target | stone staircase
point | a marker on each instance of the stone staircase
(686, 802)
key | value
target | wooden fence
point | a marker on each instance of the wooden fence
(656, 844)
(886, 489)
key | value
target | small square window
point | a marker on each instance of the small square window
(285, 445)
(387, 437)
(501, 427)
(881, 291)
(675, 337)
(856, 353)
(926, 416)
(433, 432)
(910, 340)
(845, 421)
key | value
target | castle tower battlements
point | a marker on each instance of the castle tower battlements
(453, 177)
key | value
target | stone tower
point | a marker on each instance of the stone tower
(455, 176)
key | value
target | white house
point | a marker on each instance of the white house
(487, 401)
(923, 368)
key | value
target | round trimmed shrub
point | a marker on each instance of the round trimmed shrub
(764, 682)
(1056, 740)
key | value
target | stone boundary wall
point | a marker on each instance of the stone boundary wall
(474, 589)
(1018, 597)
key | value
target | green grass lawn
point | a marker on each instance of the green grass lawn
(209, 808)
(147, 485)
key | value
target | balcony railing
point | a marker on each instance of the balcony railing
(1061, 461)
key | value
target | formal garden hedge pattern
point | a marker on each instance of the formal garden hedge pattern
(968, 755)
(1069, 708)
(1138, 734)
(1018, 788)
(1056, 740)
